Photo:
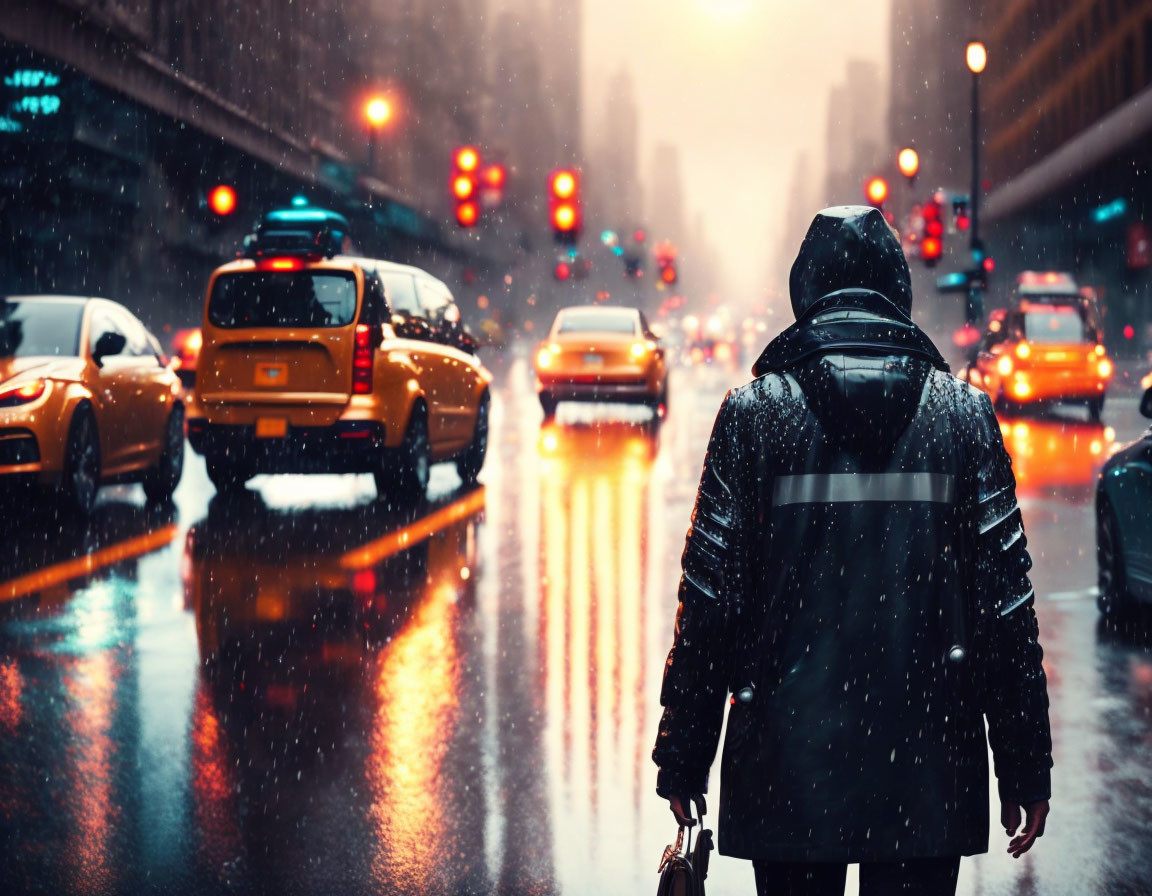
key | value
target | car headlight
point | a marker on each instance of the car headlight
(1004, 365)
(22, 394)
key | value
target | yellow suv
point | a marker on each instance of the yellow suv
(317, 362)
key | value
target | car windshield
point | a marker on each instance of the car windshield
(596, 322)
(32, 329)
(283, 299)
(1054, 326)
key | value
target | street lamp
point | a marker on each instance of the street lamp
(977, 58)
(377, 113)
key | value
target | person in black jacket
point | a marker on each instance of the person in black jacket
(856, 577)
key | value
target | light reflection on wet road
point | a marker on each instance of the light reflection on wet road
(300, 693)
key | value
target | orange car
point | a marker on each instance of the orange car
(86, 398)
(1044, 349)
(599, 353)
(316, 362)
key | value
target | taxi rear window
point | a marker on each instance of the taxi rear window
(596, 322)
(283, 299)
(1055, 326)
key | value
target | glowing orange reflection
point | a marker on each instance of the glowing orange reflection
(213, 786)
(91, 686)
(595, 507)
(1050, 455)
(11, 691)
(417, 685)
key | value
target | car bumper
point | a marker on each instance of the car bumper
(347, 446)
(20, 458)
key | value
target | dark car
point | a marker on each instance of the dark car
(1124, 525)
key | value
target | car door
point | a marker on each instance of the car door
(449, 369)
(151, 393)
(415, 339)
(113, 386)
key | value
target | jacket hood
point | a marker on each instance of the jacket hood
(850, 247)
(855, 321)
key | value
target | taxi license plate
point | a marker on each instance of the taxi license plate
(593, 360)
(271, 427)
(271, 375)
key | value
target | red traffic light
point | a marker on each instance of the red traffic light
(563, 184)
(467, 214)
(563, 270)
(494, 177)
(963, 222)
(463, 186)
(466, 158)
(222, 200)
(564, 217)
(931, 248)
(989, 264)
(876, 190)
(668, 274)
(639, 236)
(933, 227)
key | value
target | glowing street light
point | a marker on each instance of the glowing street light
(977, 57)
(377, 111)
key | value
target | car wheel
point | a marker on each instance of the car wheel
(81, 478)
(1113, 597)
(471, 462)
(405, 474)
(548, 404)
(1096, 408)
(162, 479)
(227, 473)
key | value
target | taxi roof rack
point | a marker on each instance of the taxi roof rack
(312, 233)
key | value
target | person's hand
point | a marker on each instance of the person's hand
(1035, 814)
(681, 806)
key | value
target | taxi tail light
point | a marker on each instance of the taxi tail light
(1004, 365)
(290, 263)
(362, 358)
(639, 349)
(22, 394)
(1104, 368)
(1023, 350)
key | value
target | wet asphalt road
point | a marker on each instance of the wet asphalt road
(301, 693)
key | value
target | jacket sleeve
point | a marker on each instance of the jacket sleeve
(698, 668)
(1016, 692)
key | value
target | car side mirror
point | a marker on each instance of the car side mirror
(109, 343)
(1146, 403)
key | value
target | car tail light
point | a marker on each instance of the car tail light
(1004, 365)
(362, 360)
(1099, 350)
(1022, 388)
(639, 350)
(280, 264)
(546, 354)
(1023, 350)
(1104, 368)
(22, 394)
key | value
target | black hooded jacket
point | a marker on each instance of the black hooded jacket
(855, 576)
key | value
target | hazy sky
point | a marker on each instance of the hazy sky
(741, 87)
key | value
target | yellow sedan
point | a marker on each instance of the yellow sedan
(599, 353)
(86, 397)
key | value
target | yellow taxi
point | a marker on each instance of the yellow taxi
(1046, 347)
(312, 361)
(86, 397)
(601, 353)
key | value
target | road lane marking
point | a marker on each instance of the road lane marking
(394, 542)
(79, 567)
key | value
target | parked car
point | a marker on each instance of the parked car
(1124, 524)
(86, 398)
